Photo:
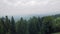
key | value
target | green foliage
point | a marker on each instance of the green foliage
(56, 33)
(13, 28)
(56, 24)
(7, 23)
(47, 25)
(35, 25)
(21, 27)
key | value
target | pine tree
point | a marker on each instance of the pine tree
(3, 26)
(13, 30)
(33, 25)
(7, 24)
(21, 27)
(39, 25)
(0, 26)
(47, 24)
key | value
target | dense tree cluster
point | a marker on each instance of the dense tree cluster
(35, 25)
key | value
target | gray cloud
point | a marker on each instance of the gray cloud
(24, 7)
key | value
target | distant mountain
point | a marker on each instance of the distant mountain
(17, 17)
(27, 16)
(57, 15)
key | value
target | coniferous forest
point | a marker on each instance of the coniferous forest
(34, 25)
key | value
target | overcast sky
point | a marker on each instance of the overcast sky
(27, 7)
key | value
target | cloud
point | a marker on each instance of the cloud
(26, 7)
(29, 3)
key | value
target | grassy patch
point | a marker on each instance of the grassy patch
(56, 33)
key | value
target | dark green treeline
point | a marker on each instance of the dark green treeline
(35, 25)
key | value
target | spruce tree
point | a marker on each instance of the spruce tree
(33, 26)
(13, 30)
(7, 24)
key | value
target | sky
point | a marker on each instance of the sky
(27, 7)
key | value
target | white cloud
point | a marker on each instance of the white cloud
(29, 3)
(22, 7)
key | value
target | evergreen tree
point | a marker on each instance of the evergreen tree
(3, 26)
(33, 25)
(7, 24)
(21, 26)
(26, 27)
(0, 27)
(47, 25)
(39, 25)
(13, 30)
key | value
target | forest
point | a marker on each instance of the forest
(35, 25)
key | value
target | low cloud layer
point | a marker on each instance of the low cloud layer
(26, 7)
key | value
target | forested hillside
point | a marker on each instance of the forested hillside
(35, 25)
